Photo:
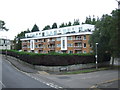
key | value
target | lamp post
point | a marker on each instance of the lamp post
(96, 56)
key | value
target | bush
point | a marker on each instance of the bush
(52, 59)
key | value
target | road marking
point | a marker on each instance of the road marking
(2, 84)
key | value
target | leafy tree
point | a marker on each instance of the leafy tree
(47, 27)
(17, 42)
(107, 35)
(54, 25)
(35, 28)
(2, 23)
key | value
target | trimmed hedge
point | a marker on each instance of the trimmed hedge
(52, 59)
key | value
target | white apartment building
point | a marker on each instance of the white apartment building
(71, 39)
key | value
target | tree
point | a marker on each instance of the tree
(54, 25)
(62, 25)
(69, 24)
(47, 27)
(2, 23)
(76, 22)
(107, 35)
(17, 41)
(90, 20)
(35, 28)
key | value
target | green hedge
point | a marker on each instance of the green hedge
(52, 59)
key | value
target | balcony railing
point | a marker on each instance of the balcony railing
(77, 40)
(77, 47)
(51, 48)
(51, 42)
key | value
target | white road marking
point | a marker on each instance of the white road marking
(2, 84)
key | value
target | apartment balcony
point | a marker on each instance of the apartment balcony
(40, 48)
(77, 40)
(77, 47)
(40, 42)
(51, 42)
(24, 48)
(24, 43)
(51, 48)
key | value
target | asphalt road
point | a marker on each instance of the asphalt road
(86, 80)
(12, 78)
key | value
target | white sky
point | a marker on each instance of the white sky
(22, 14)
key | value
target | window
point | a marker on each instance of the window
(58, 45)
(91, 51)
(69, 30)
(69, 38)
(36, 46)
(72, 28)
(90, 45)
(79, 44)
(64, 31)
(84, 37)
(43, 34)
(84, 51)
(63, 43)
(70, 52)
(58, 39)
(79, 52)
(78, 38)
(84, 45)
(44, 40)
(35, 40)
(70, 45)
(55, 32)
(51, 33)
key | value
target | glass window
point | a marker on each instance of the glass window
(84, 45)
(84, 51)
(55, 32)
(84, 37)
(63, 43)
(69, 38)
(70, 45)
(58, 45)
(64, 31)
(70, 52)
(58, 39)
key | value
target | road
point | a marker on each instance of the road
(12, 78)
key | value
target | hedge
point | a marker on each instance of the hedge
(52, 59)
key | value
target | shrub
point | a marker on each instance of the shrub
(52, 59)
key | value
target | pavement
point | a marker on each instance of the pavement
(99, 79)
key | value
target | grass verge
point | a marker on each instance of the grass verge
(86, 70)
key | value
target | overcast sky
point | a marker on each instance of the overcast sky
(22, 14)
